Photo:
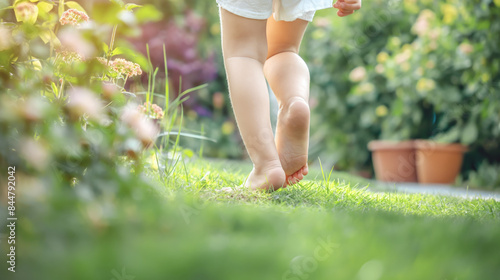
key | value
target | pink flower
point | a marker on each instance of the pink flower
(72, 40)
(357, 74)
(69, 56)
(35, 153)
(125, 67)
(218, 100)
(5, 38)
(73, 17)
(145, 130)
(154, 112)
(110, 90)
(423, 23)
(466, 48)
(84, 102)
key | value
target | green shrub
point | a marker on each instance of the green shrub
(406, 70)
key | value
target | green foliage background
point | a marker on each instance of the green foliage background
(399, 69)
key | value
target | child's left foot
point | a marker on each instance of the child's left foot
(267, 177)
(292, 138)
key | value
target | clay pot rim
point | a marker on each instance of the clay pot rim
(377, 145)
(442, 147)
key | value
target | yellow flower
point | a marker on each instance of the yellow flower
(420, 71)
(395, 42)
(425, 85)
(37, 65)
(485, 77)
(406, 48)
(450, 13)
(318, 34)
(381, 111)
(405, 66)
(215, 29)
(366, 88)
(26, 12)
(152, 160)
(382, 57)
(227, 128)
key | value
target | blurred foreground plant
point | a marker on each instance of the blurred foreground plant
(66, 117)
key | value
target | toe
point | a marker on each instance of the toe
(305, 170)
(291, 180)
(297, 176)
(300, 176)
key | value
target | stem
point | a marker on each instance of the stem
(60, 90)
(112, 43)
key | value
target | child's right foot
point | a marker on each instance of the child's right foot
(292, 138)
(270, 177)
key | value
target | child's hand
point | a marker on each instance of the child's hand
(347, 7)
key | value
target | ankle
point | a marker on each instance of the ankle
(265, 166)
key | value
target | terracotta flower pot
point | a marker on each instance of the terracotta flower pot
(394, 161)
(438, 163)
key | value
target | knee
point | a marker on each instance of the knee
(274, 50)
(299, 104)
(249, 55)
(248, 50)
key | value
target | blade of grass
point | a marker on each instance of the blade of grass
(166, 79)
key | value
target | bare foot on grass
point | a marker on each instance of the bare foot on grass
(292, 139)
(267, 177)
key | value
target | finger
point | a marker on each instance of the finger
(342, 13)
(338, 3)
(351, 7)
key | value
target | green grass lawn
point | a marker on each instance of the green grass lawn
(320, 229)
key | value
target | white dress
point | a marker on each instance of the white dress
(287, 10)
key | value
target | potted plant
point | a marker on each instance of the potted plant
(438, 163)
(394, 161)
(394, 155)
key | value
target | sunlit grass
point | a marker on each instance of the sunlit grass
(186, 228)
(203, 180)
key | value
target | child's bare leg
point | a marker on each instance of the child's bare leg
(288, 77)
(244, 46)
